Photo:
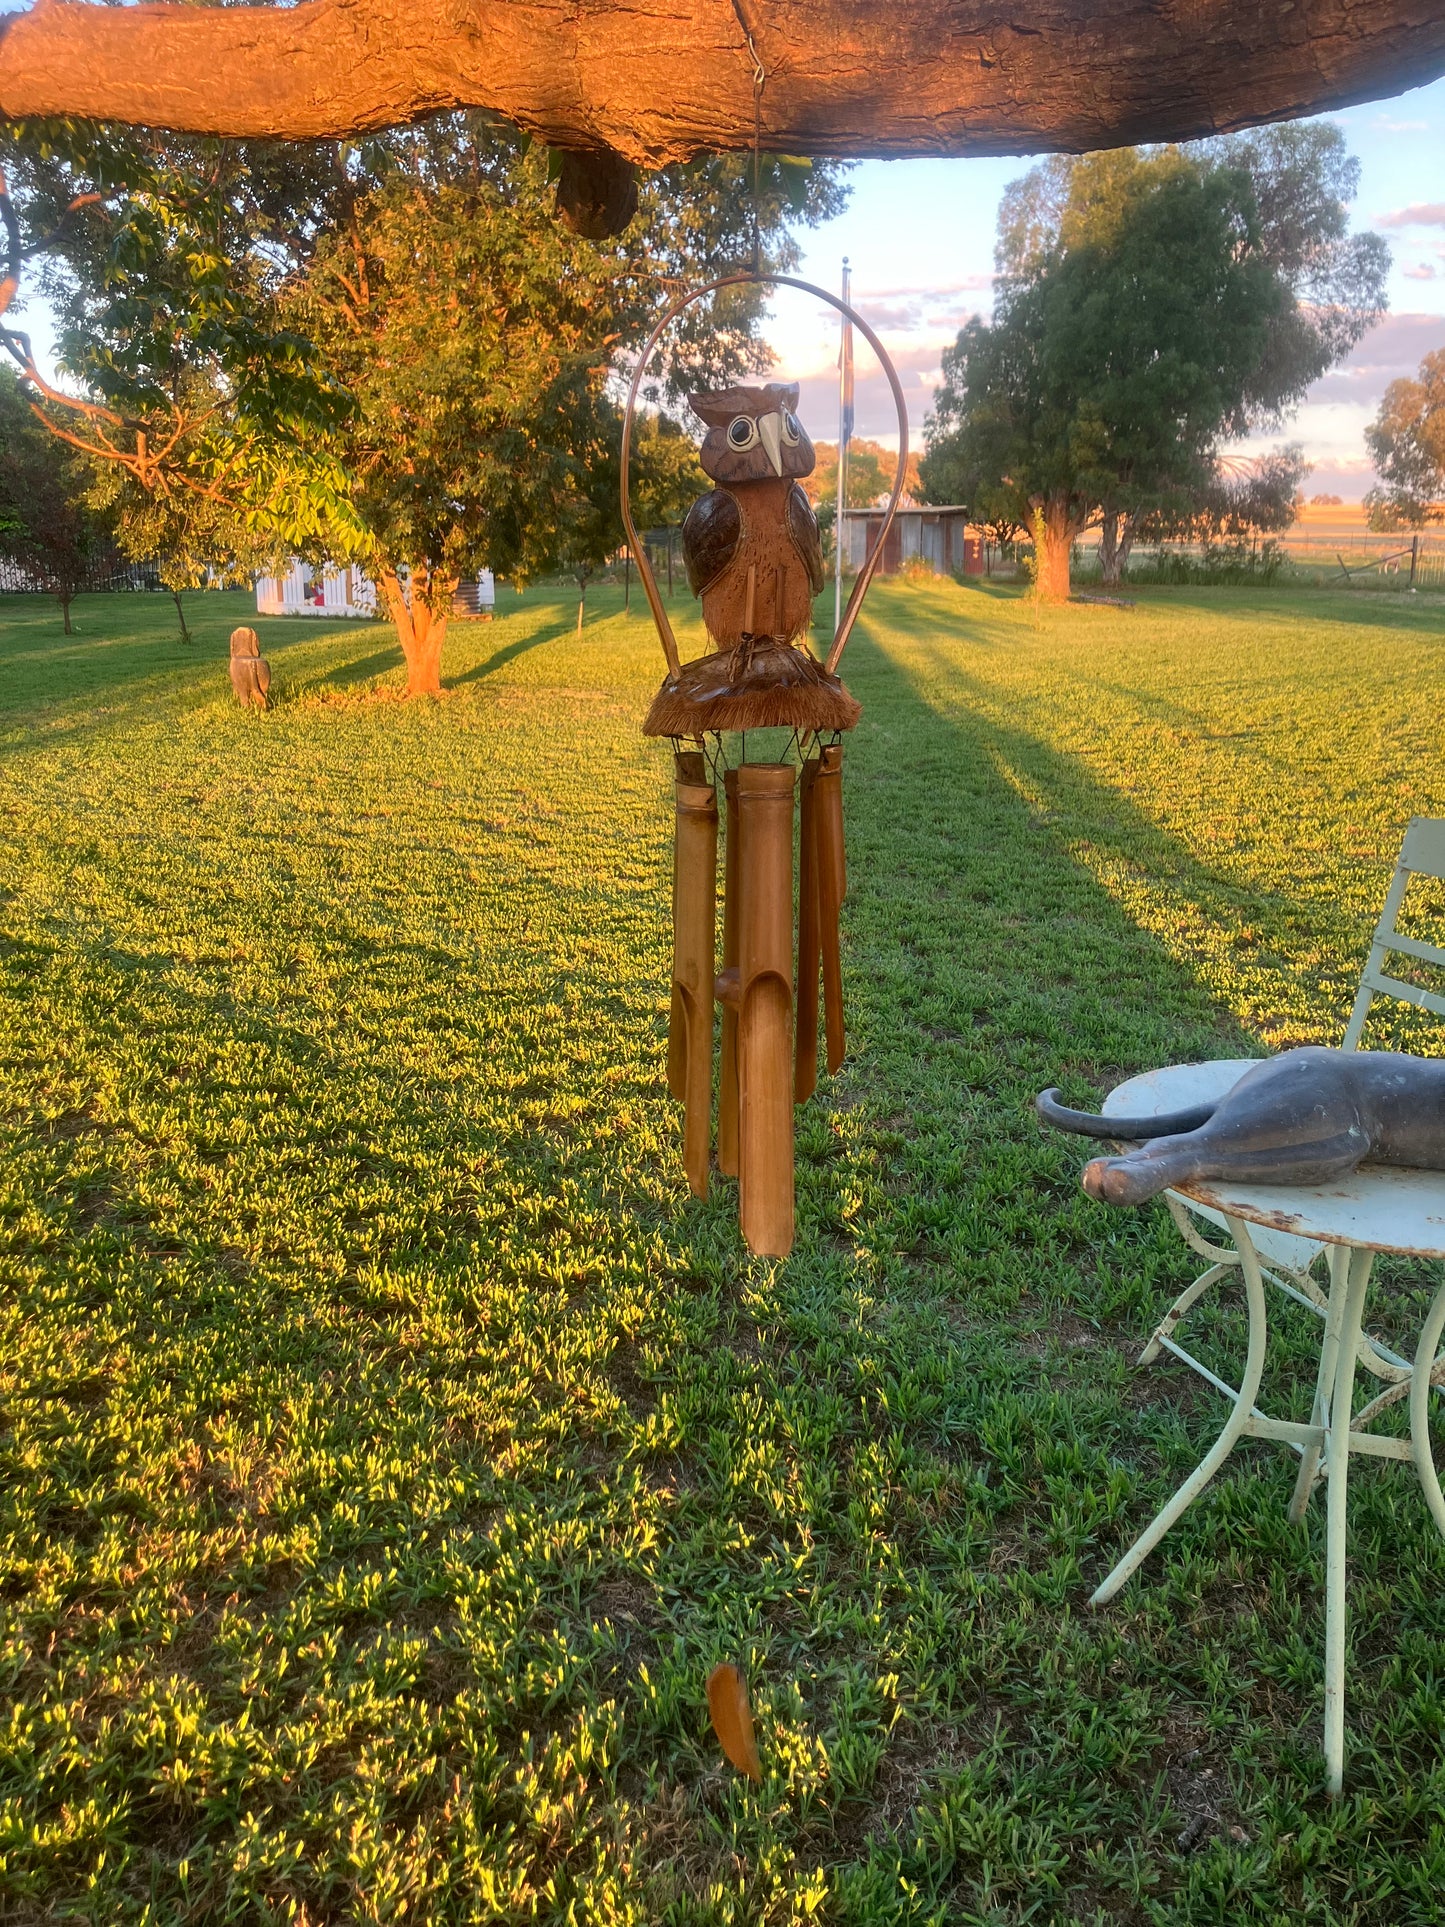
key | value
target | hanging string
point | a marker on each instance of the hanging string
(760, 80)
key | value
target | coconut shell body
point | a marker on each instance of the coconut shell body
(764, 526)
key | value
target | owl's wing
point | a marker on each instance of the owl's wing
(803, 528)
(710, 538)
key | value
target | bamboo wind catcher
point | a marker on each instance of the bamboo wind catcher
(754, 556)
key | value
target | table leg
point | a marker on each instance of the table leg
(1420, 1390)
(1228, 1438)
(1304, 1485)
(1337, 1470)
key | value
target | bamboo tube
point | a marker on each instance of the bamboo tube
(688, 767)
(805, 1053)
(727, 1103)
(750, 600)
(694, 914)
(832, 883)
(765, 1008)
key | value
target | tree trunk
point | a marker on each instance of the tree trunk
(1109, 548)
(1054, 532)
(1128, 529)
(928, 77)
(421, 627)
(186, 635)
(581, 601)
(65, 602)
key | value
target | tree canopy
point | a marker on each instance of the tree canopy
(869, 476)
(1149, 304)
(160, 261)
(389, 352)
(46, 525)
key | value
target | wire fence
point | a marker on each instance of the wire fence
(1318, 558)
(107, 577)
(1402, 561)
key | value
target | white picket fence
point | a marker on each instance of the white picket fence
(308, 591)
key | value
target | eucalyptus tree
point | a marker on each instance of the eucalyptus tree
(1407, 441)
(1150, 305)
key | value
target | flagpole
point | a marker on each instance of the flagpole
(845, 402)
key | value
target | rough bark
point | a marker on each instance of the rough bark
(665, 79)
(419, 609)
(180, 615)
(1055, 530)
(1128, 529)
(1117, 530)
(1109, 547)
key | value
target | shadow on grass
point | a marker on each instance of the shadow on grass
(499, 658)
(349, 675)
(970, 905)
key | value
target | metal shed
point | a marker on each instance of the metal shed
(941, 536)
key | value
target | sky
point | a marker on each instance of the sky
(920, 234)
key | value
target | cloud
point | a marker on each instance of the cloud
(1418, 214)
(1395, 347)
(940, 311)
(1388, 126)
(934, 291)
(873, 410)
(1423, 272)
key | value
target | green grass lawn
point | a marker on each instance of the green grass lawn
(391, 1445)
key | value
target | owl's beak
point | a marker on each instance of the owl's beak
(770, 434)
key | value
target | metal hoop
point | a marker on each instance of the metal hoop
(865, 575)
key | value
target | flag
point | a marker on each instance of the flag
(845, 361)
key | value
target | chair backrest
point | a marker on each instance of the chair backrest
(1421, 855)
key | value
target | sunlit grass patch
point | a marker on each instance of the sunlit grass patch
(391, 1445)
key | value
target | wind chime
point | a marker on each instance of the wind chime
(754, 555)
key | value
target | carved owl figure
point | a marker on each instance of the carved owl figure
(757, 522)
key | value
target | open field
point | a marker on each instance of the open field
(390, 1445)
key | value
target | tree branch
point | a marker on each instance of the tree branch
(661, 80)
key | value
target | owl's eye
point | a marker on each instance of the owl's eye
(792, 434)
(742, 432)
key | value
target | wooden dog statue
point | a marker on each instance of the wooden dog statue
(1307, 1116)
(250, 671)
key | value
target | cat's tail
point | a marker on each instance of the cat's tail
(1126, 1129)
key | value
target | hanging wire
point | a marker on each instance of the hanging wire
(760, 80)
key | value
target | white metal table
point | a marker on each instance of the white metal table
(1378, 1209)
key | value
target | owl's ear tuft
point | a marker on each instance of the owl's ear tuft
(783, 394)
(716, 410)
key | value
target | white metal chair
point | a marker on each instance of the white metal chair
(1421, 855)
(1289, 1261)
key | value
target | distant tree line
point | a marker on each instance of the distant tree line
(1152, 304)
